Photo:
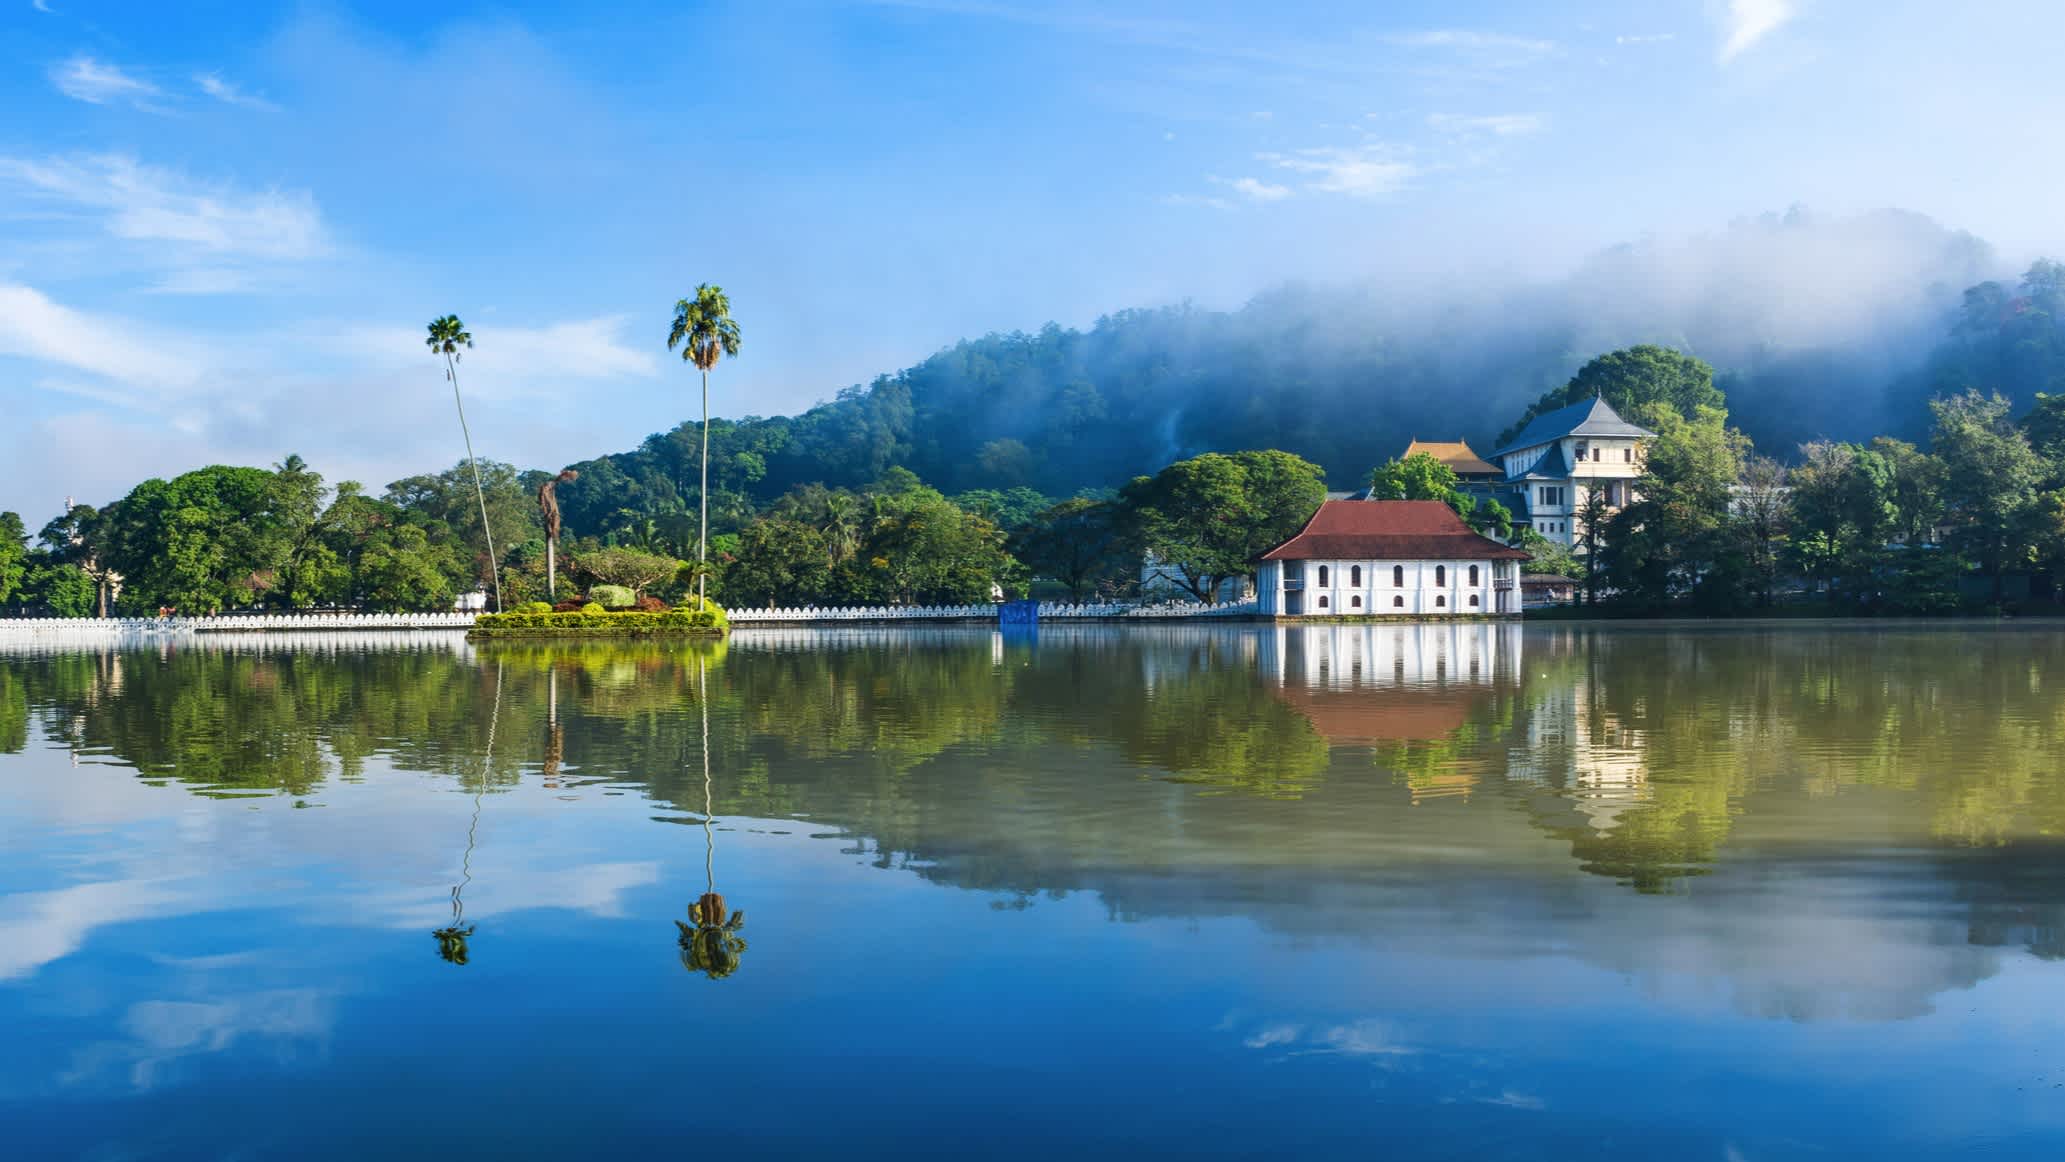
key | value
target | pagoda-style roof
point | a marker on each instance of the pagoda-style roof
(1458, 456)
(1592, 417)
(1552, 466)
(1389, 530)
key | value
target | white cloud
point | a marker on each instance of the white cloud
(229, 94)
(511, 360)
(149, 204)
(1646, 38)
(1253, 189)
(1205, 200)
(83, 78)
(34, 327)
(42, 6)
(1749, 21)
(1362, 171)
(1499, 125)
(1468, 40)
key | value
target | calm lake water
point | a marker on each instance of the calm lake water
(1459, 891)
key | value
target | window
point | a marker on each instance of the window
(1355, 577)
(1473, 599)
(1628, 454)
(1473, 574)
(1398, 603)
(1551, 494)
(1398, 576)
(1441, 602)
(1580, 453)
(1441, 574)
(1322, 581)
(1355, 603)
(1322, 601)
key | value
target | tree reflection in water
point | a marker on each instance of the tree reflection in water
(451, 939)
(712, 946)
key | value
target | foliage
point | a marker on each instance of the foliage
(1422, 477)
(779, 561)
(1631, 379)
(14, 556)
(1211, 517)
(1078, 542)
(612, 596)
(596, 620)
(1676, 540)
(629, 568)
(1991, 485)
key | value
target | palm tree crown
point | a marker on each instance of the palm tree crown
(703, 328)
(447, 336)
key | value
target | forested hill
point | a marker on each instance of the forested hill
(1818, 327)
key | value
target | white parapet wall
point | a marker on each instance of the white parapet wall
(15, 628)
(1049, 611)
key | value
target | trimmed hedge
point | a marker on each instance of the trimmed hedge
(710, 620)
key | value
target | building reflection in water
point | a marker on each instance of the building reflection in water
(1416, 694)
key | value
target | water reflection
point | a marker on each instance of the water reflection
(712, 946)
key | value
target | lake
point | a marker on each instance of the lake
(1407, 891)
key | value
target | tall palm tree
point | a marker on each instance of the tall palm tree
(548, 500)
(704, 331)
(447, 336)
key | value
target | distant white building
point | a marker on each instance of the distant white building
(1388, 558)
(1561, 457)
(474, 602)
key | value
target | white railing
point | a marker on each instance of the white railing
(1049, 611)
(13, 627)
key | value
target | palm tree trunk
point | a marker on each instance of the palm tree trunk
(703, 532)
(479, 493)
(551, 570)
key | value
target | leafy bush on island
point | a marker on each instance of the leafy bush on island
(596, 620)
(612, 596)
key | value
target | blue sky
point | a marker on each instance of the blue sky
(222, 226)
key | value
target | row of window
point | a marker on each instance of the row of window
(1397, 576)
(1440, 602)
(1627, 455)
(1551, 526)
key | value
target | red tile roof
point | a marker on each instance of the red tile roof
(1389, 530)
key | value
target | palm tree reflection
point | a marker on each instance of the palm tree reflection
(451, 939)
(711, 944)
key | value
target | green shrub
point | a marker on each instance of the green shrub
(533, 607)
(612, 596)
(596, 619)
(592, 607)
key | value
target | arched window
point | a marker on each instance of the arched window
(1322, 577)
(1322, 601)
(1355, 602)
(1473, 599)
(1441, 574)
(1473, 574)
(1441, 602)
(1398, 576)
(1355, 576)
(1398, 603)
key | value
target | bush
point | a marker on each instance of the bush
(612, 596)
(647, 603)
(593, 607)
(570, 605)
(533, 607)
(597, 620)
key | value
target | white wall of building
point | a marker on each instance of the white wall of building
(1387, 588)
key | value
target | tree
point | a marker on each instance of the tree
(780, 561)
(704, 330)
(630, 568)
(14, 556)
(447, 336)
(1676, 541)
(80, 537)
(1077, 542)
(1211, 517)
(922, 548)
(548, 504)
(1631, 379)
(1594, 514)
(61, 590)
(1991, 484)
(1422, 477)
(1760, 517)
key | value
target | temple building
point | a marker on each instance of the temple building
(1388, 558)
(1562, 457)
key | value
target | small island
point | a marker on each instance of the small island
(594, 619)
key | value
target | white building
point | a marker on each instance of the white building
(1561, 457)
(1388, 558)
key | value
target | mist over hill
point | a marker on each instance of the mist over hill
(1840, 327)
